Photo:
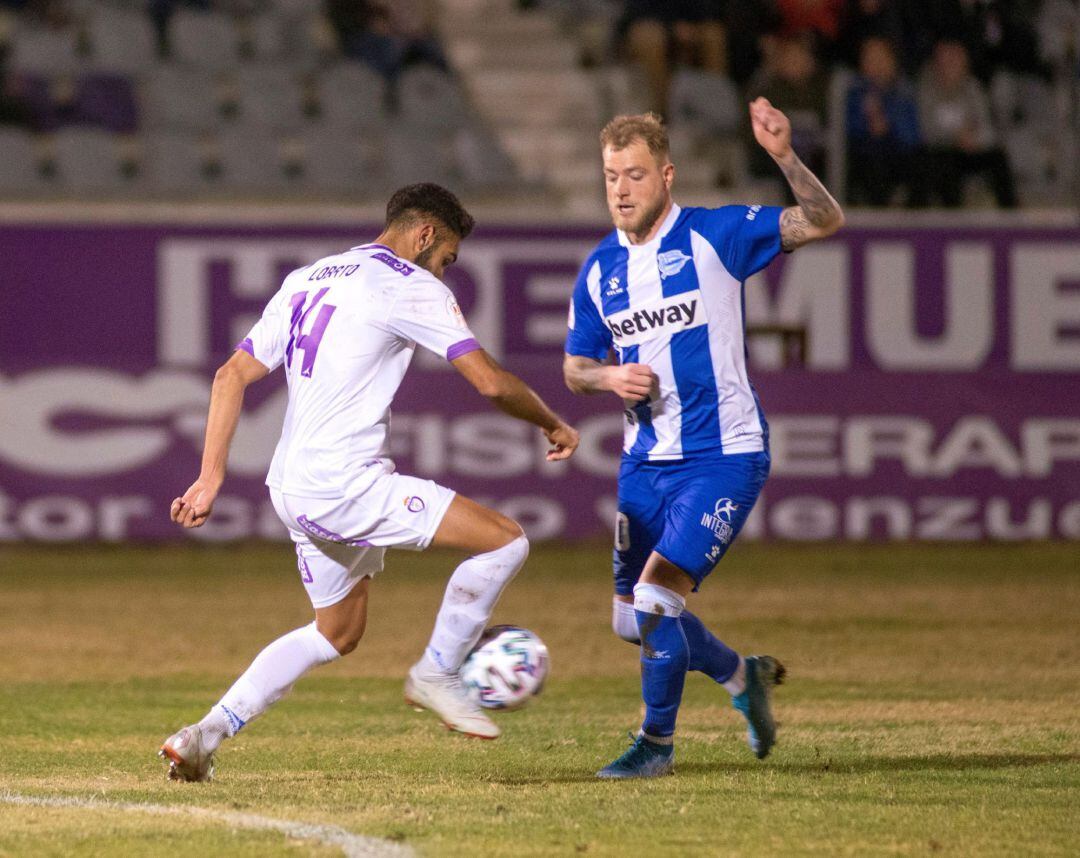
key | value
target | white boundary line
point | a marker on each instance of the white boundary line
(352, 845)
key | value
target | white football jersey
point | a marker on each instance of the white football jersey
(346, 328)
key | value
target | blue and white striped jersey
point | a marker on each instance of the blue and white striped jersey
(676, 304)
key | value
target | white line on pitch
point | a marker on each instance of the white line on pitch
(353, 845)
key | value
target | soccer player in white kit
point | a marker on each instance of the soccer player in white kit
(345, 329)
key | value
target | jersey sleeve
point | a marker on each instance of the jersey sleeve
(266, 341)
(428, 314)
(746, 238)
(587, 336)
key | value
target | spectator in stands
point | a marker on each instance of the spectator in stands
(954, 116)
(862, 19)
(659, 33)
(794, 82)
(817, 18)
(884, 151)
(388, 36)
(997, 33)
(15, 108)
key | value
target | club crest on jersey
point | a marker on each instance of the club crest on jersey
(614, 287)
(671, 262)
(719, 520)
(662, 317)
(415, 504)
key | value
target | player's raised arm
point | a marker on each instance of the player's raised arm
(226, 401)
(514, 397)
(817, 215)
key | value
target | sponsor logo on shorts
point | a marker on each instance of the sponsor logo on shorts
(415, 504)
(312, 528)
(713, 554)
(719, 520)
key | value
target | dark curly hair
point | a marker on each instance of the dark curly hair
(413, 202)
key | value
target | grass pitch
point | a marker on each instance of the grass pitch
(933, 705)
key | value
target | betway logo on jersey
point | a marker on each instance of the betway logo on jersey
(664, 317)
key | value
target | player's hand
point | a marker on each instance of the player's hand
(772, 129)
(194, 508)
(563, 440)
(631, 381)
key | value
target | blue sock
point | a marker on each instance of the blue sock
(708, 653)
(665, 658)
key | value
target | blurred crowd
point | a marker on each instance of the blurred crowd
(930, 87)
(926, 94)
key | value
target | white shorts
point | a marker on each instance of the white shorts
(339, 541)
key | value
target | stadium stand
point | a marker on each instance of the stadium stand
(501, 96)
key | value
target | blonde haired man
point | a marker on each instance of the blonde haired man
(664, 292)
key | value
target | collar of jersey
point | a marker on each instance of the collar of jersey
(373, 247)
(665, 228)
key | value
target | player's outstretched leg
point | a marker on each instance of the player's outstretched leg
(711, 656)
(665, 658)
(336, 631)
(708, 654)
(500, 549)
(763, 672)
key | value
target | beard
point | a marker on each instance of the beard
(646, 220)
(423, 258)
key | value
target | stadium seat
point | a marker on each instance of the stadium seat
(204, 40)
(181, 99)
(46, 51)
(707, 100)
(176, 164)
(411, 158)
(87, 160)
(120, 41)
(482, 163)
(269, 96)
(106, 101)
(352, 97)
(251, 164)
(430, 99)
(340, 164)
(19, 168)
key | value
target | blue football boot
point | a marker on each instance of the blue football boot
(762, 673)
(644, 759)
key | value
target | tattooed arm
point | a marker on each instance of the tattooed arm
(817, 215)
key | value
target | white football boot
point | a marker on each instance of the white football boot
(447, 698)
(188, 759)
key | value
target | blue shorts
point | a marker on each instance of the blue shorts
(688, 511)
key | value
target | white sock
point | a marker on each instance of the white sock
(470, 597)
(624, 621)
(737, 684)
(266, 681)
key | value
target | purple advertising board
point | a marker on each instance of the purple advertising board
(938, 398)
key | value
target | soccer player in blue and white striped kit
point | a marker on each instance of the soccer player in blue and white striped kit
(664, 291)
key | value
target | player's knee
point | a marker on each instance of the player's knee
(345, 637)
(624, 621)
(513, 554)
(348, 640)
(511, 531)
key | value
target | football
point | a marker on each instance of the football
(506, 669)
